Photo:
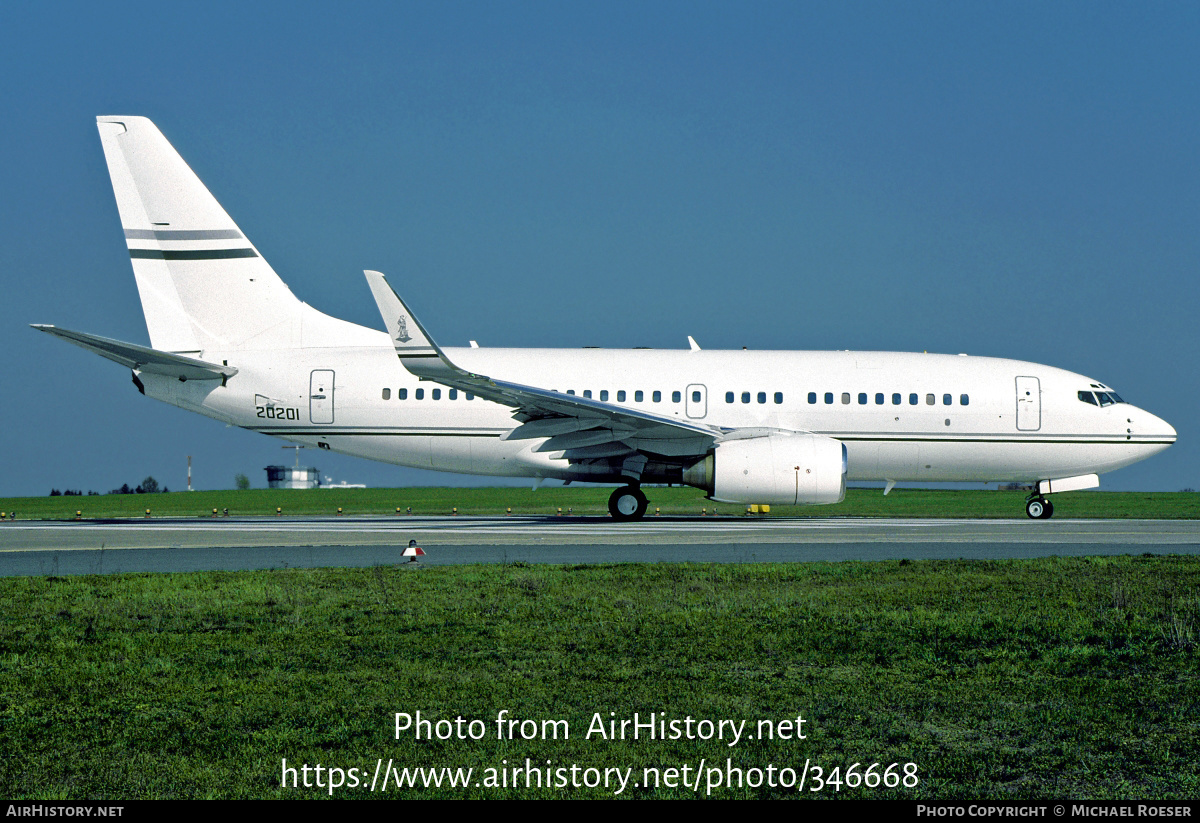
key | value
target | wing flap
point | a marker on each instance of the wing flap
(550, 426)
(600, 451)
(578, 440)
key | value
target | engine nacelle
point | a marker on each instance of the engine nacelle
(778, 468)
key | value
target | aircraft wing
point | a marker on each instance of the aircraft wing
(141, 358)
(581, 427)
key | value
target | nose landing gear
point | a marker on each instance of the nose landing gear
(1038, 507)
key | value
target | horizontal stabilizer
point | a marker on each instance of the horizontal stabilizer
(141, 358)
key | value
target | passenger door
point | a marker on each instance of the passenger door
(1029, 404)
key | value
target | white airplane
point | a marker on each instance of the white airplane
(229, 340)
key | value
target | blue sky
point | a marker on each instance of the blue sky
(1009, 179)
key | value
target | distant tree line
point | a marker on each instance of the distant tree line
(148, 486)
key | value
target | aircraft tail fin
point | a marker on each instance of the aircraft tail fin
(202, 283)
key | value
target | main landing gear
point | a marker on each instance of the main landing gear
(1038, 507)
(627, 503)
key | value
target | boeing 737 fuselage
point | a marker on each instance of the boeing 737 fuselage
(229, 340)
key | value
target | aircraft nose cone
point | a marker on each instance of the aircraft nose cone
(1167, 429)
(1148, 424)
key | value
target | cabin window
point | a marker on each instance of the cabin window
(638, 396)
(695, 397)
(437, 394)
(402, 394)
(1106, 398)
(745, 397)
(845, 398)
(812, 397)
(621, 396)
(930, 400)
(469, 396)
(964, 399)
(570, 391)
(762, 397)
(420, 394)
(587, 393)
(453, 394)
(604, 394)
(947, 400)
(676, 396)
(728, 397)
(656, 397)
(387, 394)
(912, 399)
(879, 398)
(778, 398)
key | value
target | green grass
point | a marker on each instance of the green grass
(1051, 678)
(592, 500)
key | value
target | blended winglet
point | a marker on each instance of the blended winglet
(414, 346)
(407, 334)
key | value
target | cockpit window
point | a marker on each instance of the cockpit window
(1100, 398)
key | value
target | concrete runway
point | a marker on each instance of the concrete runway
(109, 547)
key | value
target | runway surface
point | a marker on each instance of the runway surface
(108, 547)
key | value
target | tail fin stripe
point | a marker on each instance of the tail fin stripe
(194, 254)
(183, 234)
